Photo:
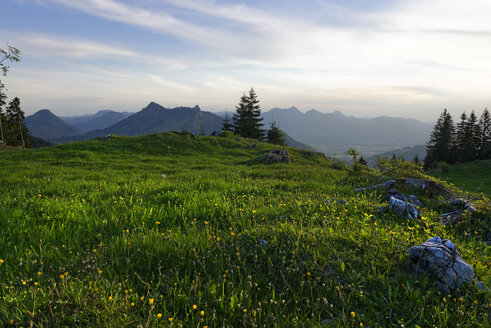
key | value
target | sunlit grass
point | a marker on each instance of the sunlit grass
(93, 234)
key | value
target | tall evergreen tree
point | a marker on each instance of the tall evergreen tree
(441, 145)
(227, 124)
(461, 137)
(246, 119)
(484, 148)
(275, 135)
(473, 135)
(18, 133)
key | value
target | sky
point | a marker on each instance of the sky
(401, 58)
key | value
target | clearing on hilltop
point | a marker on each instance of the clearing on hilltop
(178, 230)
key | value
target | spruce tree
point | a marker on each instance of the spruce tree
(476, 134)
(246, 119)
(441, 145)
(275, 135)
(484, 148)
(461, 137)
(240, 116)
(256, 129)
(227, 124)
(18, 133)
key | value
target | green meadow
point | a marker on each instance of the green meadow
(472, 176)
(173, 230)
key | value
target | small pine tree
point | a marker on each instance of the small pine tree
(275, 135)
(227, 124)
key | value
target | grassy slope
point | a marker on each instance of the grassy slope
(471, 176)
(91, 234)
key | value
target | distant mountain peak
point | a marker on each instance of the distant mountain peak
(338, 113)
(313, 111)
(153, 105)
(44, 112)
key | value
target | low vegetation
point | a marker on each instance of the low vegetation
(179, 230)
(471, 176)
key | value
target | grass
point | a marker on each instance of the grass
(471, 176)
(93, 235)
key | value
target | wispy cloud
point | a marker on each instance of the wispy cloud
(426, 52)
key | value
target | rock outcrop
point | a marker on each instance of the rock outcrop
(277, 156)
(401, 206)
(440, 259)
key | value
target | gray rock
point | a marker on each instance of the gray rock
(440, 260)
(386, 185)
(415, 201)
(278, 156)
(471, 209)
(397, 194)
(402, 208)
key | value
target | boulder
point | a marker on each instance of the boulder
(403, 208)
(388, 184)
(277, 156)
(415, 201)
(396, 194)
(440, 259)
(435, 189)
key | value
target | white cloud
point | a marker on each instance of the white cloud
(413, 54)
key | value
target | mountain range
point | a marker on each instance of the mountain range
(334, 133)
(100, 120)
(331, 133)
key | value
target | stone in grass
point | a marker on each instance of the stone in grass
(402, 208)
(439, 259)
(415, 201)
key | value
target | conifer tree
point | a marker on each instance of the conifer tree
(227, 124)
(18, 133)
(247, 120)
(484, 148)
(275, 135)
(461, 137)
(441, 145)
(473, 136)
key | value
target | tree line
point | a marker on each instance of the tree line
(13, 131)
(465, 141)
(246, 121)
